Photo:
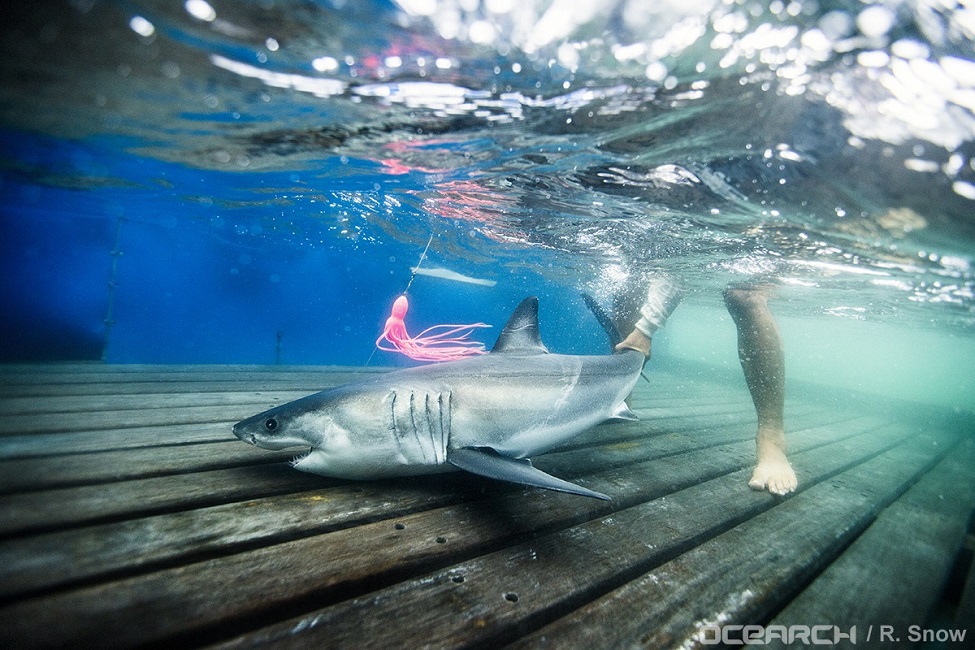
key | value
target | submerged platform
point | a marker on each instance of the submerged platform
(131, 516)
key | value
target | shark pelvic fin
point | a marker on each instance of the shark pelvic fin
(487, 462)
(622, 413)
(521, 335)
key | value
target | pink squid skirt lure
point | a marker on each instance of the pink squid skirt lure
(437, 343)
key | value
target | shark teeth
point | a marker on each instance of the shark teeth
(300, 457)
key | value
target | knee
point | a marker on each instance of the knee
(743, 301)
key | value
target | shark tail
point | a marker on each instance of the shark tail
(615, 337)
(613, 332)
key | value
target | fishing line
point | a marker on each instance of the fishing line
(419, 263)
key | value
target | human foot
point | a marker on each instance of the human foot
(773, 472)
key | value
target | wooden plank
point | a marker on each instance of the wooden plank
(729, 426)
(125, 411)
(135, 385)
(102, 466)
(94, 420)
(73, 373)
(117, 380)
(106, 467)
(169, 456)
(42, 423)
(746, 574)
(36, 384)
(120, 380)
(965, 613)
(203, 600)
(910, 550)
(35, 512)
(498, 597)
(98, 553)
(158, 541)
(31, 381)
(312, 382)
(119, 548)
(79, 505)
(39, 445)
(54, 508)
(74, 404)
(81, 441)
(69, 378)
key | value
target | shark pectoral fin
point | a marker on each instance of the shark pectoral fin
(622, 413)
(489, 463)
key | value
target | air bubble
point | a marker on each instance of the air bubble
(141, 26)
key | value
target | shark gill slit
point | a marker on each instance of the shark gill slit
(427, 421)
(432, 425)
(443, 399)
(413, 421)
(392, 413)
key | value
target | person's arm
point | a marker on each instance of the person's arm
(662, 299)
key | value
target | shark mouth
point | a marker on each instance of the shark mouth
(300, 457)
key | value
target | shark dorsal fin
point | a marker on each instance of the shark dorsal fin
(521, 335)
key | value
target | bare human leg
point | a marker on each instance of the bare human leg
(763, 362)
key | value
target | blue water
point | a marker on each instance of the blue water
(252, 182)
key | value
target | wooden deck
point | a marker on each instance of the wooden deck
(130, 516)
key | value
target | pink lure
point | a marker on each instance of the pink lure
(437, 343)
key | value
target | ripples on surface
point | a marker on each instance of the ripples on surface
(827, 145)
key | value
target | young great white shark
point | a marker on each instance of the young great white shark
(485, 414)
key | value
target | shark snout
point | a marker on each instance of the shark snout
(270, 431)
(244, 435)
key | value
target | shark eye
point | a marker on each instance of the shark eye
(270, 424)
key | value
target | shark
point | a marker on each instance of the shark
(488, 415)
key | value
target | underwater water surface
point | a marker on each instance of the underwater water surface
(253, 182)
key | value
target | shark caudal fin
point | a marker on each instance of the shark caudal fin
(487, 462)
(613, 332)
(520, 335)
(615, 336)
